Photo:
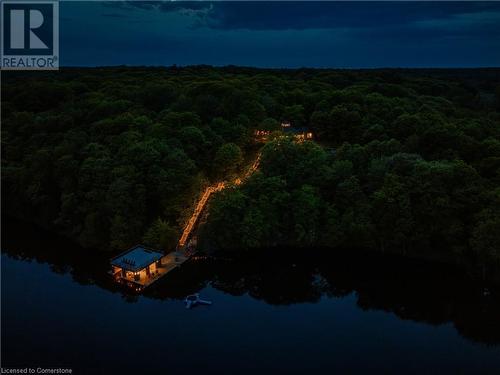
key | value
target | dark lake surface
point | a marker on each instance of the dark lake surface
(289, 313)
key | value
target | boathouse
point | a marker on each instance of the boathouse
(138, 266)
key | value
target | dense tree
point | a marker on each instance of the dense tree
(269, 124)
(405, 161)
(485, 239)
(345, 124)
(294, 114)
(228, 158)
(392, 213)
(161, 235)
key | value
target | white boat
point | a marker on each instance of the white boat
(194, 299)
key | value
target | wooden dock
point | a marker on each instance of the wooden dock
(165, 265)
(168, 263)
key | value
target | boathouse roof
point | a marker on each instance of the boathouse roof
(136, 258)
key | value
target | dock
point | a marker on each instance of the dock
(140, 267)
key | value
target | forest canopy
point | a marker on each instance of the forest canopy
(403, 160)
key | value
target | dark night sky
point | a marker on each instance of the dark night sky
(281, 34)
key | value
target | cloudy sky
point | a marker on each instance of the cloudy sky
(281, 34)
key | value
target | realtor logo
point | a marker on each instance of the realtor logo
(30, 35)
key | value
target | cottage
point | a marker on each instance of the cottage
(300, 134)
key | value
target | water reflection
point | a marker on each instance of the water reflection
(410, 289)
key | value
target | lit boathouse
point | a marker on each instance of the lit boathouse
(139, 266)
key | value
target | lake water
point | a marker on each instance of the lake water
(293, 313)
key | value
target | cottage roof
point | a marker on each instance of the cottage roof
(136, 258)
(295, 130)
